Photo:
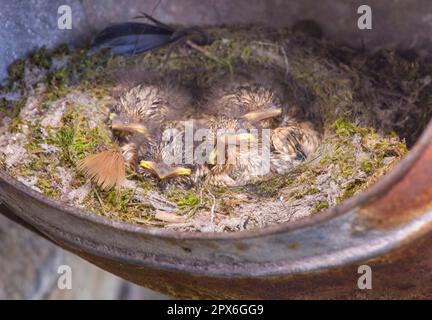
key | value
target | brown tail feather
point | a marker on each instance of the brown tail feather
(106, 168)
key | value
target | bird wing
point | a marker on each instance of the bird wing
(132, 38)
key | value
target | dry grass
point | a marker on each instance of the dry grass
(366, 106)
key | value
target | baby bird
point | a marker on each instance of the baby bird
(165, 157)
(276, 144)
(138, 118)
(249, 101)
(293, 142)
(247, 138)
(244, 114)
(146, 107)
(237, 156)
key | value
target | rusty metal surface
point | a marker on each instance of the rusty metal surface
(388, 227)
(403, 274)
(286, 259)
(409, 198)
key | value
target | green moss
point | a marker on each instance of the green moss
(15, 124)
(118, 198)
(59, 77)
(47, 187)
(87, 69)
(147, 185)
(34, 138)
(119, 204)
(16, 70)
(41, 58)
(76, 140)
(271, 187)
(351, 189)
(344, 128)
(3, 108)
(187, 200)
(61, 50)
(368, 166)
(321, 205)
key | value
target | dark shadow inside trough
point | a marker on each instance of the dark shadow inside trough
(387, 226)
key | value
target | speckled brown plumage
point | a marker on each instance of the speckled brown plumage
(152, 119)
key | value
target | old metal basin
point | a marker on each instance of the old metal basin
(388, 227)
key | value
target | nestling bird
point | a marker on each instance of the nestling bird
(252, 106)
(244, 112)
(139, 117)
(249, 101)
(239, 151)
(293, 142)
(166, 158)
(237, 156)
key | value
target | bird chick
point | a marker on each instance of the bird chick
(293, 143)
(251, 108)
(237, 157)
(165, 160)
(252, 102)
(139, 116)
(150, 106)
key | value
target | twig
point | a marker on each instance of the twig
(201, 50)
(281, 48)
(155, 7)
(131, 196)
(100, 200)
(213, 207)
(207, 54)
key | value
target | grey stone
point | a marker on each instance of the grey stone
(26, 262)
(29, 270)
(30, 24)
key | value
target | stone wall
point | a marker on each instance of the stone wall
(29, 268)
(32, 23)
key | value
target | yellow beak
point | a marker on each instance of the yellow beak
(257, 116)
(130, 127)
(164, 171)
(237, 138)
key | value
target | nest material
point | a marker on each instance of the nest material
(54, 111)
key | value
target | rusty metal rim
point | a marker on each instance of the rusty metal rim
(379, 188)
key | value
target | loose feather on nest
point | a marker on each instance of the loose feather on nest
(106, 168)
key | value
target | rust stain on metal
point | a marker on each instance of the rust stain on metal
(241, 246)
(391, 273)
(292, 246)
(408, 198)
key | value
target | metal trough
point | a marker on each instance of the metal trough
(388, 227)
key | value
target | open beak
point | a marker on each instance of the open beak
(163, 171)
(257, 116)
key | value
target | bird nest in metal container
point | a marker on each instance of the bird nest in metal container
(254, 128)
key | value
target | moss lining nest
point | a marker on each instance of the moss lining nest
(54, 111)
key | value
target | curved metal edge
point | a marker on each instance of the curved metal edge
(368, 195)
(336, 238)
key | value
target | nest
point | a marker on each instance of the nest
(55, 106)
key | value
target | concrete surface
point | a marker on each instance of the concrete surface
(29, 270)
(33, 23)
